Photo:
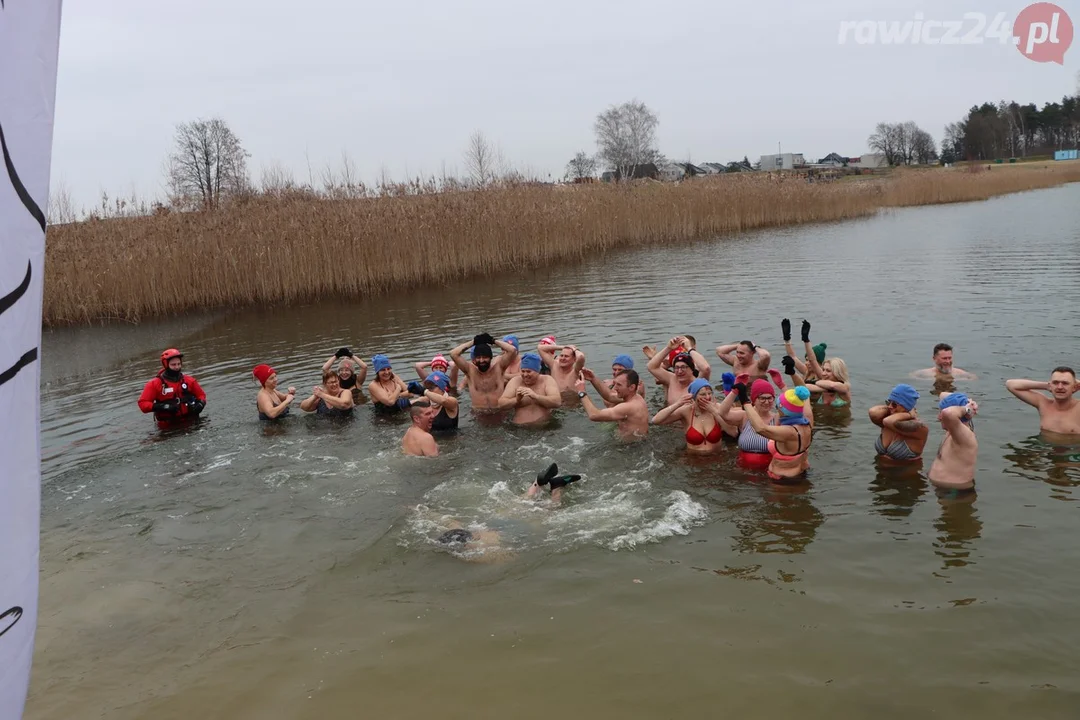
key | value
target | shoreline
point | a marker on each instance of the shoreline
(297, 249)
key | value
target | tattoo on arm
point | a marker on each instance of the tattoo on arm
(908, 426)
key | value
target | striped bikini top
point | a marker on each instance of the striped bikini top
(750, 441)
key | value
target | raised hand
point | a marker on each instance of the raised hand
(588, 374)
(785, 325)
(789, 365)
(777, 378)
(744, 394)
(579, 385)
(292, 391)
(805, 331)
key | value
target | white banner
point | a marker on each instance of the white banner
(29, 42)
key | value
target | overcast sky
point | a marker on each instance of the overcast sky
(402, 85)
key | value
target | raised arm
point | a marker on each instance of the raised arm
(662, 376)
(878, 414)
(329, 363)
(605, 392)
(596, 414)
(508, 353)
(763, 356)
(361, 375)
(547, 353)
(444, 401)
(904, 424)
(421, 369)
(772, 432)
(672, 412)
(727, 353)
(1026, 391)
(703, 367)
(459, 361)
(731, 414)
(951, 419)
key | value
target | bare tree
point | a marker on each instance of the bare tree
(276, 179)
(582, 165)
(482, 160)
(207, 165)
(922, 147)
(884, 141)
(626, 137)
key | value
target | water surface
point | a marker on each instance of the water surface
(235, 570)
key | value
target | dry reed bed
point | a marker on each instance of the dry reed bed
(270, 251)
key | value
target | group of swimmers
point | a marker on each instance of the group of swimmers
(767, 414)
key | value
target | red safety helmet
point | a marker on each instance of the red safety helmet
(169, 355)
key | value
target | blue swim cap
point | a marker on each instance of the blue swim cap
(512, 339)
(954, 400)
(697, 386)
(905, 396)
(530, 361)
(439, 380)
(381, 362)
(728, 381)
(625, 360)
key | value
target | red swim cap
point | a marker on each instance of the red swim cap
(262, 373)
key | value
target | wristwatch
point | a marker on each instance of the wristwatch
(581, 394)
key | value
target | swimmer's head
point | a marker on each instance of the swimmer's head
(422, 413)
(793, 401)
(819, 352)
(959, 400)
(622, 362)
(834, 369)
(548, 340)
(683, 366)
(626, 384)
(345, 371)
(331, 382)
(383, 370)
(943, 358)
(903, 397)
(265, 376)
(481, 357)
(437, 380)
(1062, 383)
(530, 368)
(439, 362)
(512, 339)
(762, 396)
(745, 352)
(567, 356)
(701, 391)
(457, 536)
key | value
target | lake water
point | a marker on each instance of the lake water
(238, 571)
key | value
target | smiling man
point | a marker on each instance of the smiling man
(1059, 413)
(943, 366)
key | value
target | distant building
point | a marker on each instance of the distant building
(711, 168)
(833, 160)
(870, 160)
(640, 172)
(783, 161)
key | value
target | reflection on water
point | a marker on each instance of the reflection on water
(1048, 459)
(958, 528)
(244, 569)
(897, 488)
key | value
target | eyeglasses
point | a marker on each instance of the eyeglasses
(766, 398)
(680, 367)
(892, 404)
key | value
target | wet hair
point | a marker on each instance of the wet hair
(1064, 369)
(748, 344)
(632, 378)
(942, 346)
(327, 374)
(458, 535)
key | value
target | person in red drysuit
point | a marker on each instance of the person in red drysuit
(171, 395)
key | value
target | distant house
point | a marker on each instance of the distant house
(782, 161)
(870, 161)
(833, 160)
(711, 168)
(640, 172)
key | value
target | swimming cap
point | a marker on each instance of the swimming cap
(439, 380)
(819, 352)
(728, 381)
(674, 354)
(760, 387)
(512, 339)
(530, 361)
(440, 360)
(905, 396)
(481, 350)
(794, 400)
(262, 373)
(625, 360)
(697, 386)
(549, 340)
(380, 362)
(954, 400)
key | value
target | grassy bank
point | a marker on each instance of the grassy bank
(293, 249)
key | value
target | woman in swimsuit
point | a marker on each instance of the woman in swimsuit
(827, 376)
(389, 392)
(788, 442)
(700, 414)
(753, 447)
(439, 363)
(272, 404)
(435, 390)
(902, 437)
(329, 398)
